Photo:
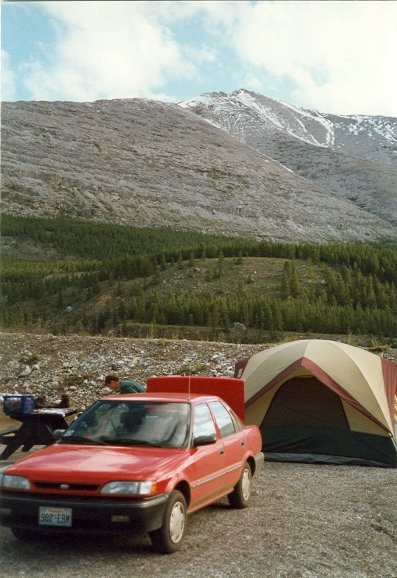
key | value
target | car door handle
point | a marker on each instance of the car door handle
(242, 443)
(222, 452)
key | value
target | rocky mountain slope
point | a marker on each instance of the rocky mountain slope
(355, 157)
(148, 163)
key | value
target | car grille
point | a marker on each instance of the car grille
(64, 486)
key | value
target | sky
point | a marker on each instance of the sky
(332, 56)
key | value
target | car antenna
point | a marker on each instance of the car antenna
(190, 375)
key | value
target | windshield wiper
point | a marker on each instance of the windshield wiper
(78, 440)
(134, 442)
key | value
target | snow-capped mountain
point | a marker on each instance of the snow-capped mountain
(372, 138)
(147, 163)
(352, 156)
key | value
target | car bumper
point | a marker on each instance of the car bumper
(89, 516)
(259, 460)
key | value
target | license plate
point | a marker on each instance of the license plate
(49, 516)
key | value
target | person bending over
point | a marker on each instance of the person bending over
(123, 385)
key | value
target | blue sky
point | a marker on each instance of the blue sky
(337, 56)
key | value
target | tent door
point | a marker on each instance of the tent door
(305, 403)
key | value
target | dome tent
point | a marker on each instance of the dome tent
(322, 401)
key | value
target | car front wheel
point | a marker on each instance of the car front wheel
(168, 538)
(241, 493)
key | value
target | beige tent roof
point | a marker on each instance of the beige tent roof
(356, 374)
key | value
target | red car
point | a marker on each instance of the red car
(138, 462)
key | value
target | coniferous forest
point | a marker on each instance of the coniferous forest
(65, 276)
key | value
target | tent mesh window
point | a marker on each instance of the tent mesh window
(305, 403)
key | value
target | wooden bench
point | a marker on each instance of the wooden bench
(7, 434)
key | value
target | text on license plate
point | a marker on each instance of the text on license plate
(51, 516)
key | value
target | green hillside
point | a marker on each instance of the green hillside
(72, 276)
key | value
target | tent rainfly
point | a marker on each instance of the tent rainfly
(322, 401)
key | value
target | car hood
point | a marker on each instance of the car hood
(98, 464)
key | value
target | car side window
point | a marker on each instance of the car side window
(203, 422)
(223, 419)
(238, 426)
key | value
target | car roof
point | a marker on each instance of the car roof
(164, 397)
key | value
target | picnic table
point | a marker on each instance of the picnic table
(37, 428)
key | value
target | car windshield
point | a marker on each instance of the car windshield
(132, 423)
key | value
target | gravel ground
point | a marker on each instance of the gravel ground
(304, 520)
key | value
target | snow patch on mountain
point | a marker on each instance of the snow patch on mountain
(338, 132)
(351, 156)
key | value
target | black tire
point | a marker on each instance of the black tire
(168, 538)
(24, 535)
(241, 493)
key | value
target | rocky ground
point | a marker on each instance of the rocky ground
(52, 365)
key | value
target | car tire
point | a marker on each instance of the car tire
(168, 538)
(241, 493)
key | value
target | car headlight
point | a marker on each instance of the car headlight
(130, 488)
(15, 482)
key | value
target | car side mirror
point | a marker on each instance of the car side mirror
(58, 433)
(204, 440)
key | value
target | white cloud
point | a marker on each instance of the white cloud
(331, 55)
(340, 55)
(107, 50)
(7, 78)
(253, 83)
(335, 56)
